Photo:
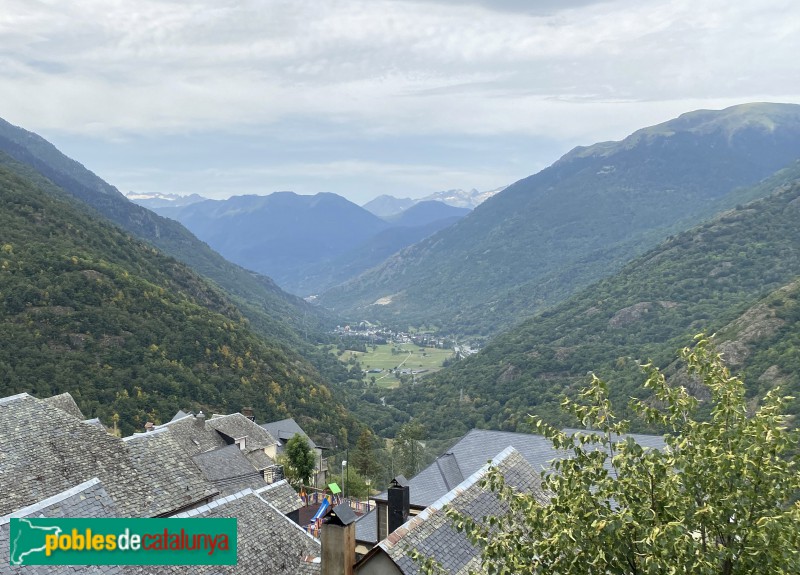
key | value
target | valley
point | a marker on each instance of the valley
(413, 287)
(551, 289)
(390, 365)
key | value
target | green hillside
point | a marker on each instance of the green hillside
(132, 333)
(581, 219)
(272, 311)
(735, 275)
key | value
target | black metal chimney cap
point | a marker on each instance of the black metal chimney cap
(342, 514)
(399, 481)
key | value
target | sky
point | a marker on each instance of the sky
(370, 97)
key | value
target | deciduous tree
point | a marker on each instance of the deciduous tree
(300, 458)
(720, 498)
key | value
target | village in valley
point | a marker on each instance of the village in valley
(390, 358)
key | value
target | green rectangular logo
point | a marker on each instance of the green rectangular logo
(104, 541)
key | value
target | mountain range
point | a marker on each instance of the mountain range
(546, 236)
(616, 254)
(307, 243)
(133, 334)
(386, 206)
(272, 311)
(158, 200)
(737, 275)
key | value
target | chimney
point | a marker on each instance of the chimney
(248, 413)
(200, 420)
(399, 500)
(148, 426)
(339, 541)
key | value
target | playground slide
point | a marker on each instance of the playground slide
(323, 507)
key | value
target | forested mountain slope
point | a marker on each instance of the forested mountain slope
(583, 218)
(133, 334)
(307, 243)
(735, 275)
(274, 312)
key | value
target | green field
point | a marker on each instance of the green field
(406, 356)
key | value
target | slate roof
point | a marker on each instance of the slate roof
(268, 541)
(477, 447)
(96, 422)
(172, 478)
(193, 434)
(367, 527)
(431, 532)
(198, 435)
(65, 402)
(44, 451)
(228, 469)
(285, 429)
(259, 460)
(88, 499)
(181, 414)
(282, 496)
(237, 425)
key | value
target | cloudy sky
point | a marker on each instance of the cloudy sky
(364, 97)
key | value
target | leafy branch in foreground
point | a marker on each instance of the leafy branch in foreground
(719, 498)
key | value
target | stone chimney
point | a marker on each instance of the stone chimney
(200, 420)
(399, 501)
(148, 426)
(248, 413)
(339, 541)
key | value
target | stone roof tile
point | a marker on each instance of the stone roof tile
(477, 447)
(173, 479)
(432, 533)
(194, 435)
(237, 425)
(65, 402)
(268, 541)
(88, 499)
(44, 451)
(282, 496)
(229, 470)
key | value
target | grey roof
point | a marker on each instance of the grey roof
(367, 527)
(181, 414)
(433, 535)
(285, 429)
(65, 402)
(228, 469)
(449, 470)
(259, 460)
(44, 451)
(194, 435)
(237, 425)
(96, 422)
(198, 435)
(89, 499)
(172, 478)
(477, 447)
(268, 541)
(282, 496)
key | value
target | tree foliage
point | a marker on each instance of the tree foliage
(364, 458)
(408, 450)
(720, 498)
(715, 277)
(300, 458)
(132, 334)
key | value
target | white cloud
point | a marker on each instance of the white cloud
(573, 72)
